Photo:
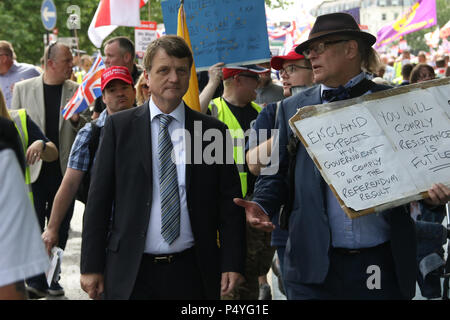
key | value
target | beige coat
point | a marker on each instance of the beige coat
(29, 94)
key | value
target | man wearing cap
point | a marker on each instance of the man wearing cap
(297, 76)
(118, 94)
(160, 242)
(237, 110)
(328, 255)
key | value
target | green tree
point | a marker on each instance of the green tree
(416, 40)
(22, 25)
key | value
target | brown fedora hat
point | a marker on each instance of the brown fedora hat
(332, 24)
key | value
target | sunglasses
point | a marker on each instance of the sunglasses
(49, 50)
(320, 47)
(253, 76)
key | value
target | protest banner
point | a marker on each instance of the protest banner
(143, 36)
(381, 150)
(421, 15)
(230, 31)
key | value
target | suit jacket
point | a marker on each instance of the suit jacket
(29, 94)
(307, 249)
(122, 175)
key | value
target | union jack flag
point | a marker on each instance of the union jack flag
(88, 91)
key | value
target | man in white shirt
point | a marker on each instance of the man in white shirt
(23, 253)
(12, 71)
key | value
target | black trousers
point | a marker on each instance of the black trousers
(366, 275)
(44, 191)
(176, 279)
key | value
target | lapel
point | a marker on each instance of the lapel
(38, 92)
(312, 96)
(142, 124)
(189, 148)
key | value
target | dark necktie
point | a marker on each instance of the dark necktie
(168, 183)
(340, 93)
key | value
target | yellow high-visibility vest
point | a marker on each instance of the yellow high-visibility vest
(224, 114)
(20, 120)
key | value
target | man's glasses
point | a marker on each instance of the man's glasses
(50, 49)
(320, 47)
(253, 76)
(290, 69)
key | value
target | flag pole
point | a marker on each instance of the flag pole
(149, 11)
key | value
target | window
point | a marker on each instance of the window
(383, 16)
(382, 3)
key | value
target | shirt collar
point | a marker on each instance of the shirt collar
(353, 82)
(14, 67)
(102, 118)
(177, 114)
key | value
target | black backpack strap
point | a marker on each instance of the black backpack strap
(285, 211)
(93, 142)
(83, 189)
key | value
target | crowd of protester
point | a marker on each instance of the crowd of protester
(107, 157)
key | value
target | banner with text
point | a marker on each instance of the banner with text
(231, 31)
(143, 35)
(420, 16)
(381, 150)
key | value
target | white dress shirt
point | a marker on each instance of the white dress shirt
(23, 253)
(155, 244)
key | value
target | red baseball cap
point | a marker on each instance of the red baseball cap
(116, 72)
(232, 71)
(277, 61)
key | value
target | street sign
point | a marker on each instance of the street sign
(48, 14)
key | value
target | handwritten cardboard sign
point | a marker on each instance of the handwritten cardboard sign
(380, 150)
(229, 31)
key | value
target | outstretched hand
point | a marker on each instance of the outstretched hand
(439, 195)
(255, 215)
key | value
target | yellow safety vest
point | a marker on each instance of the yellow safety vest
(20, 120)
(224, 114)
(79, 76)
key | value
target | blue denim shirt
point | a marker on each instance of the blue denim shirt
(363, 232)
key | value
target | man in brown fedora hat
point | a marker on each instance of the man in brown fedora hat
(328, 255)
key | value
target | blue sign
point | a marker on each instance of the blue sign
(48, 14)
(229, 31)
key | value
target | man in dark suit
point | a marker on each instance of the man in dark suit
(151, 223)
(328, 255)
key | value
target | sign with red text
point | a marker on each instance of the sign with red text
(143, 35)
(380, 150)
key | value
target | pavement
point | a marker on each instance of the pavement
(70, 270)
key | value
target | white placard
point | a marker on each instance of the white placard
(383, 150)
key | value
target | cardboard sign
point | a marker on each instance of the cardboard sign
(229, 31)
(143, 36)
(380, 150)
